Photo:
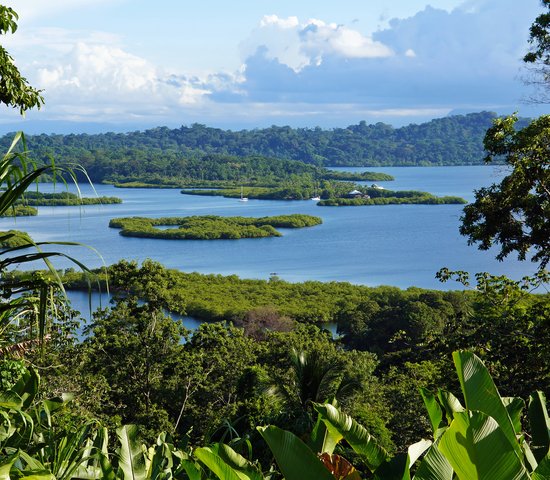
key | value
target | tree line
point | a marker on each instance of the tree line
(454, 140)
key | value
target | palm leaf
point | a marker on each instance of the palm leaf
(540, 425)
(481, 394)
(478, 449)
(131, 457)
(296, 461)
(342, 426)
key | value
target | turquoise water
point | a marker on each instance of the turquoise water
(400, 245)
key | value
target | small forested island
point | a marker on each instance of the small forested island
(306, 175)
(20, 211)
(210, 227)
(24, 206)
(332, 194)
(379, 196)
(39, 199)
(14, 238)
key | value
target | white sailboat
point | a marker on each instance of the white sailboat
(243, 198)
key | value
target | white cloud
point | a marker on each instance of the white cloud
(290, 22)
(105, 82)
(99, 69)
(298, 45)
(310, 70)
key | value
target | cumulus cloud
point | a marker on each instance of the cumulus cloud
(320, 72)
(99, 69)
(300, 44)
(104, 82)
(464, 58)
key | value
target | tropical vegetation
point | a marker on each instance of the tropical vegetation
(265, 393)
(40, 199)
(198, 149)
(210, 227)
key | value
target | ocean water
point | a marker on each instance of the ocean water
(399, 245)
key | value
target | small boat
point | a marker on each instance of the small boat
(316, 199)
(243, 198)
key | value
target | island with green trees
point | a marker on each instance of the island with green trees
(380, 196)
(19, 210)
(210, 227)
(331, 193)
(14, 238)
(265, 392)
(58, 199)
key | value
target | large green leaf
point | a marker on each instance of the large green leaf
(191, 469)
(296, 461)
(481, 394)
(450, 404)
(398, 467)
(434, 410)
(107, 469)
(342, 426)
(27, 387)
(5, 466)
(236, 461)
(540, 425)
(514, 406)
(10, 400)
(434, 466)
(543, 470)
(215, 463)
(478, 449)
(131, 456)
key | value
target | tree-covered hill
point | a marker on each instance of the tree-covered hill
(454, 140)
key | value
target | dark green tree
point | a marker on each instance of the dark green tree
(539, 55)
(515, 214)
(15, 90)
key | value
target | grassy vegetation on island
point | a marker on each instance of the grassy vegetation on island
(14, 238)
(210, 227)
(333, 193)
(39, 199)
(20, 211)
(425, 199)
(358, 177)
(309, 178)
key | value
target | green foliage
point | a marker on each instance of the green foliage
(168, 156)
(39, 199)
(210, 227)
(481, 441)
(354, 177)
(28, 295)
(333, 193)
(425, 199)
(20, 211)
(15, 90)
(539, 56)
(14, 238)
(515, 214)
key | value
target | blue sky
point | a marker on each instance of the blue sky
(122, 65)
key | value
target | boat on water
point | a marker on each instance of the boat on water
(315, 199)
(243, 198)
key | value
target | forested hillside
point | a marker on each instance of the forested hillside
(455, 140)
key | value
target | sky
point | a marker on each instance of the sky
(120, 65)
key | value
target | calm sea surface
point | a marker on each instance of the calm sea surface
(400, 245)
